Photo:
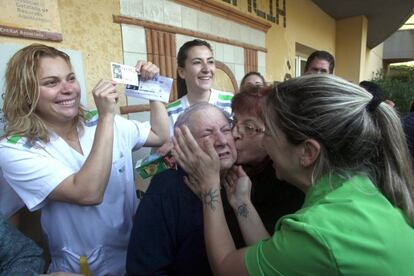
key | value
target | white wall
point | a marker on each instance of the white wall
(373, 62)
(171, 13)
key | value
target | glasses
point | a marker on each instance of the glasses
(247, 129)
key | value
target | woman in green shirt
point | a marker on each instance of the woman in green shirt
(346, 150)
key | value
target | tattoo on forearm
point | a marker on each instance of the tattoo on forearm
(210, 198)
(242, 210)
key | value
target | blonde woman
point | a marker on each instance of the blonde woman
(346, 150)
(74, 165)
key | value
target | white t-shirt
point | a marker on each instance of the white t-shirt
(100, 232)
(218, 98)
(10, 202)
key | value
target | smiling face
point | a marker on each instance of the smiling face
(59, 91)
(199, 69)
(248, 138)
(211, 124)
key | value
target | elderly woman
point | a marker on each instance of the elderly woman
(272, 198)
(346, 150)
(75, 166)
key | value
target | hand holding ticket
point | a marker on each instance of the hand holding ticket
(157, 89)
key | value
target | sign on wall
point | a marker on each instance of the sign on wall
(36, 19)
(275, 10)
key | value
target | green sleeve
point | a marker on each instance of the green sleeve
(296, 248)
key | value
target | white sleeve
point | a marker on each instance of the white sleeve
(10, 202)
(135, 132)
(33, 176)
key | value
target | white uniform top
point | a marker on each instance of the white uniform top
(10, 202)
(218, 98)
(100, 232)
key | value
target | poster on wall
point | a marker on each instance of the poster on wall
(36, 19)
(8, 50)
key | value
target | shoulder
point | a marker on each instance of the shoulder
(176, 107)
(221, 99)
(91, 118)
(17, 142)
(344, 205)
(174, 104)
(283, 247)
(170, 185)
(222, 95)
(167, 183)
(408, 121)
(122, 124)
(12, 140)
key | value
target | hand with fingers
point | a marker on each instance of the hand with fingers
(165, 148)
(238, 186)
(165, 151)
(147, 70)
(202, 167)
(105, 96)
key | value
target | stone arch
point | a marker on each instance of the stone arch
(222, 66)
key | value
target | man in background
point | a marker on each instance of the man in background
(320, 62)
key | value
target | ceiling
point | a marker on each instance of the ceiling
(384, 16)
(399, 47)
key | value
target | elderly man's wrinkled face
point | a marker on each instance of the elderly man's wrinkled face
(211, 124)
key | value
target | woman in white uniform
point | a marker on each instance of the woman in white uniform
(195, 76)
(73, 164)
(196, 68)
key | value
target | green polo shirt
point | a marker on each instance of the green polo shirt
(346, 227)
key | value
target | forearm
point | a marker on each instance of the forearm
(92, 178)
(159, 125)
(219, 242)
(250, 224)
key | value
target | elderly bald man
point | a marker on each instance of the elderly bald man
(167, 236)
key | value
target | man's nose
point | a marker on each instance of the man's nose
(220, 138)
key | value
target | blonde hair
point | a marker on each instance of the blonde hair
(22, 93)
(353, 139)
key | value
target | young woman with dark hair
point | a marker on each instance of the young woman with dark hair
(195, 77)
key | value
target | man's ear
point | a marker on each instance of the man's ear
(311, 151)
(181, 72)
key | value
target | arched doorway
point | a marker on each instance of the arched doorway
(224, 78)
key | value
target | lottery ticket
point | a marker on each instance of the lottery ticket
(157, 89)
(124, 74)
